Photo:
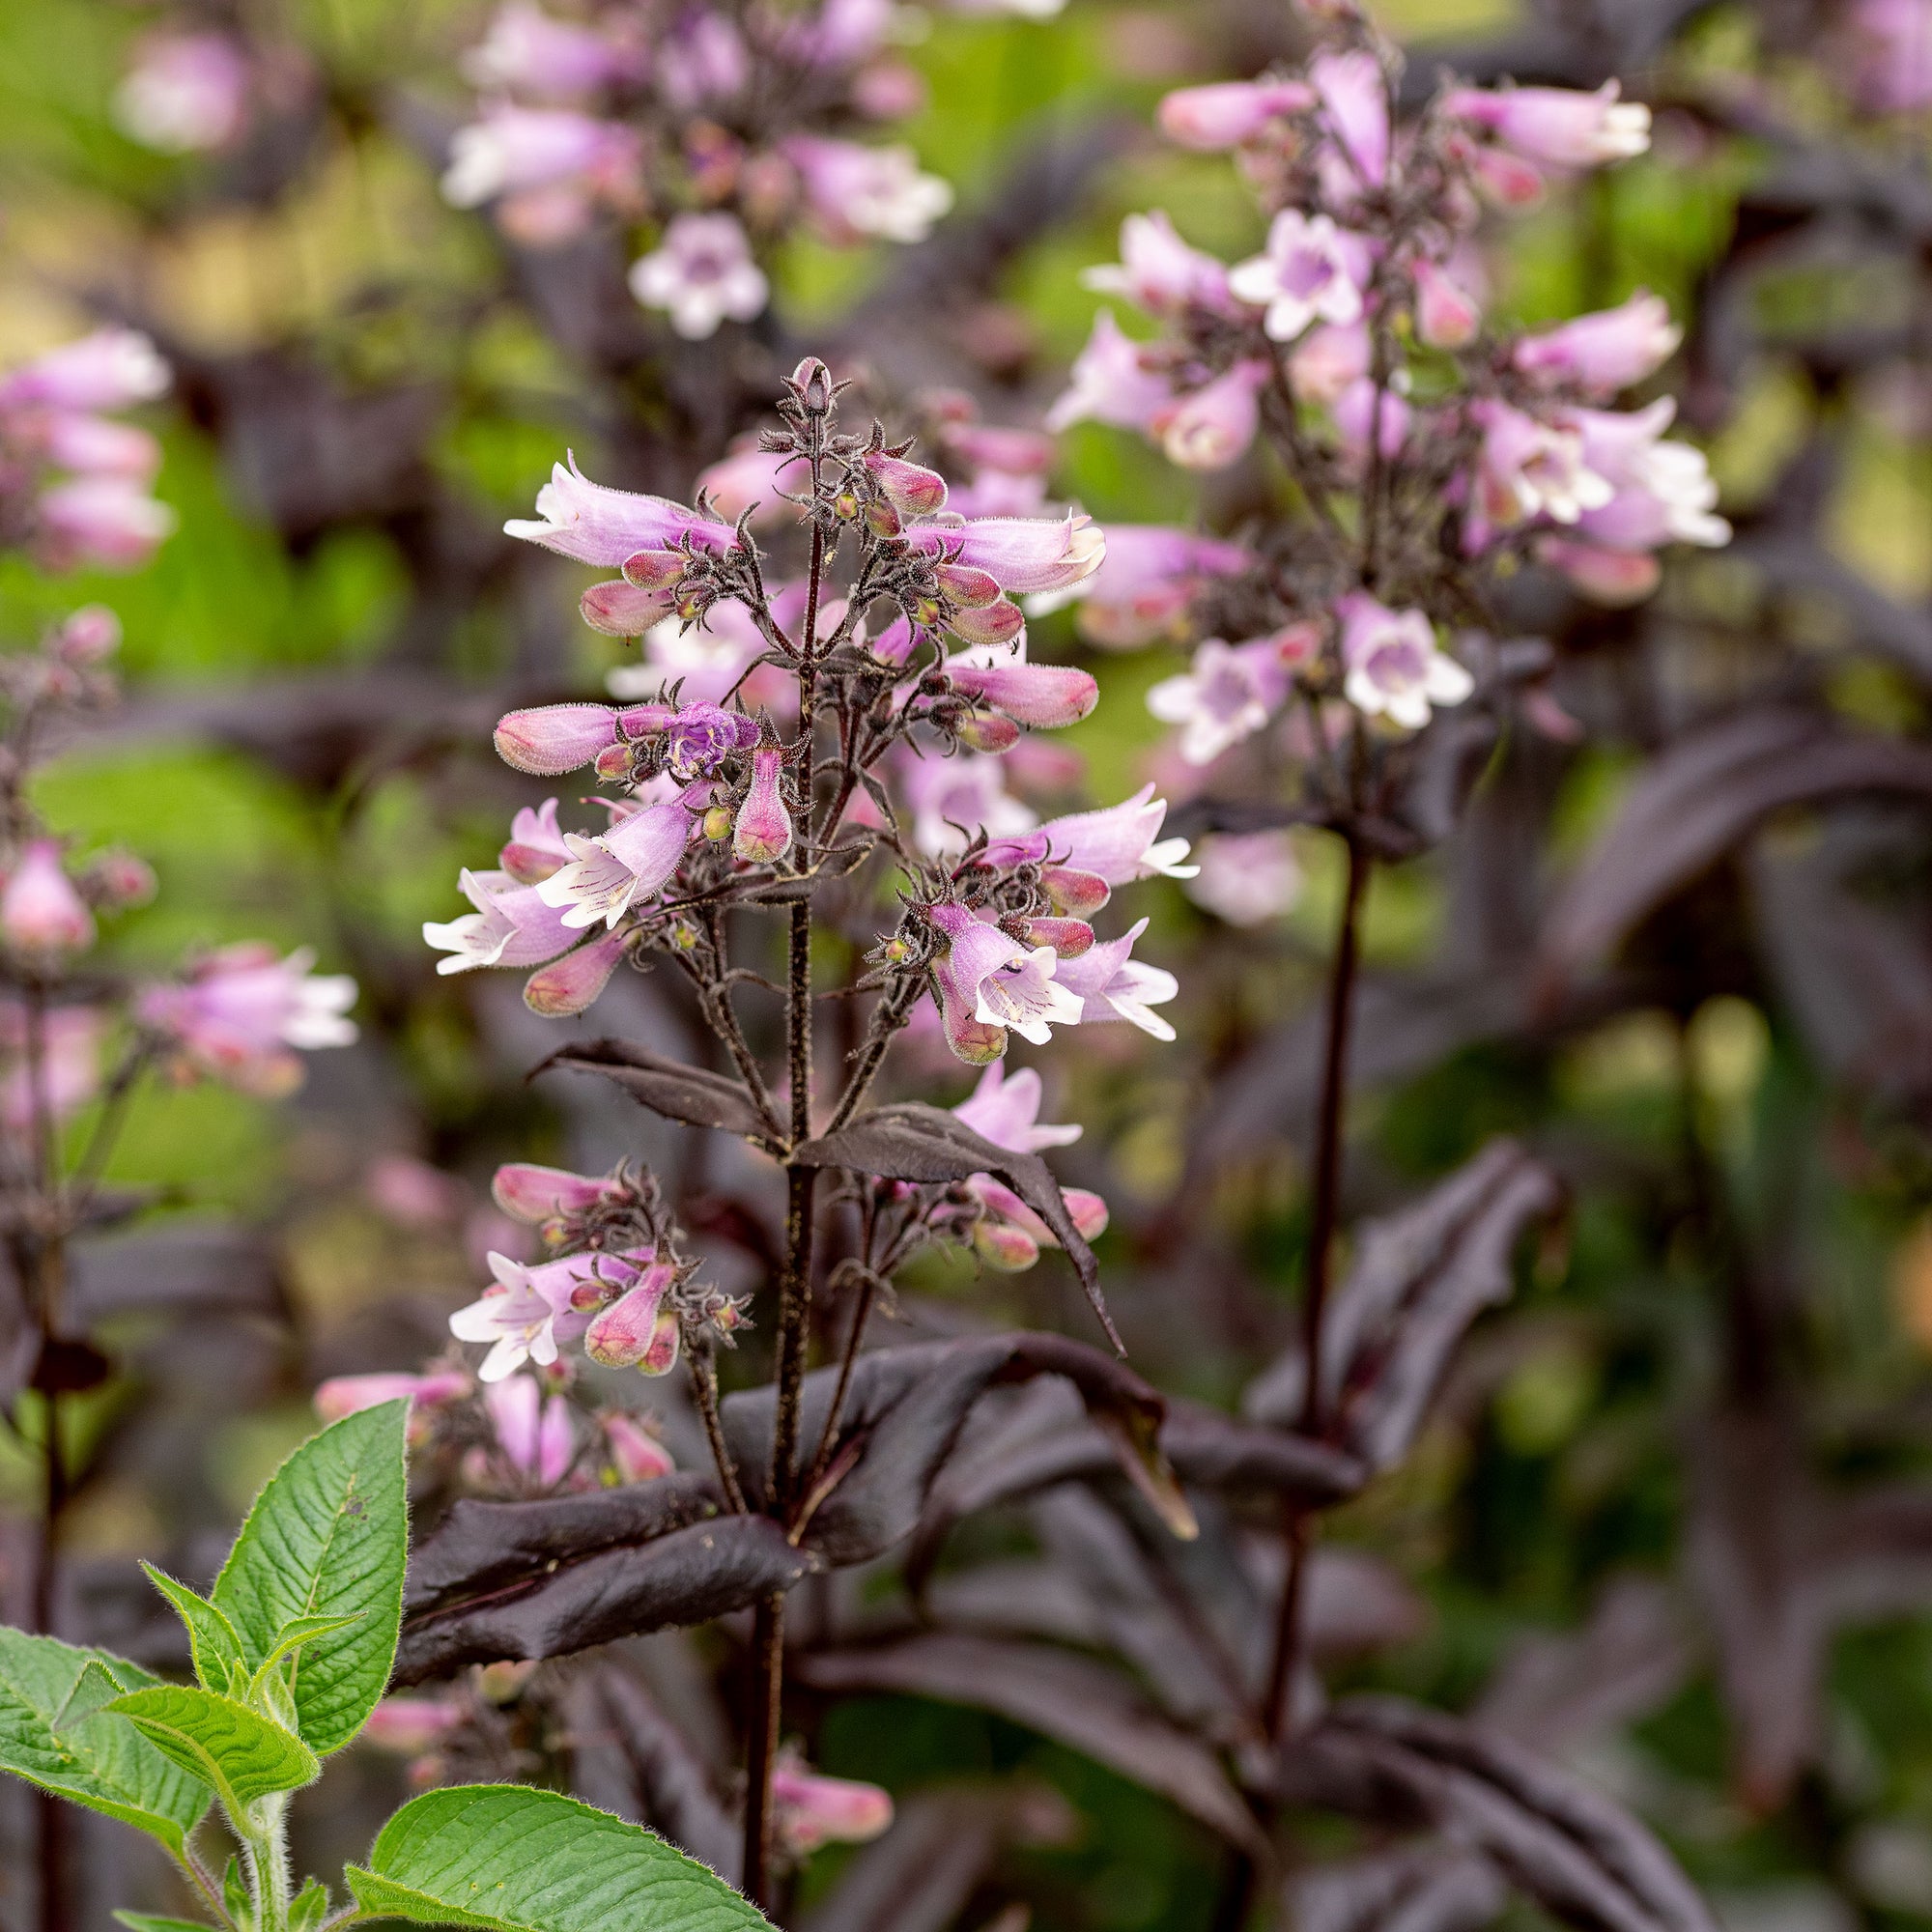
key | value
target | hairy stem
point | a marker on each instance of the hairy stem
(705, 1386)
(762, 1743)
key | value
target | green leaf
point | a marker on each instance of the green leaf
(235, 1895)
(211, 1637)
(226, 1745)
(147, 1922)
(327, 1538)
(298, 1630)
(54, 1733)
(309, 1907)
(513, 1860)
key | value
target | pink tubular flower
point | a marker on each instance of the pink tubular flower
(111, 369)
(1247, 877)
(512, 925)
(989, 984)
(1159, 273)
(1312, 272)
(858, 194)
(1558, 127)
(1612, 577)
(761, 831)
(698, 735)
(513, 150)
(1328, 362)
(749, 476)
(1664, 491)
(186, 94)
(1119, 843)
(40, 910)
(909, 487)
(593, 523)
(637, 1331)
(108, 521)
(1005, 1110)
(550, 60)
(1393, 667)
(567, 987)
(1355, 105)
(702, 58)
(70, 1073)
(1110, 382)
(700, 274)
(535, 848)
(1212, 426)
(529, 1310)
(1044, 696)
(613, 872)
(810, 1811)
(619, 609)
(241, 1008)
(552, 739)
(536, 1437)
(1023, 555)
(411, 1725)
(1113, 986)
(533, 1194)
(1604, 352)
(1148, 581)
(96, 446)
(1447, 314)
(1229, 692)
(1226, 114)
(952, 798)
(1531, 468)
(345, 1395)
(1359, 409)
(637, 1455)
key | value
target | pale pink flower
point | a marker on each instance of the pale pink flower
(989, 984)
(107, 521)
(1604, 352)
(1211, 427)
(1043, 696)
(1558, 127)
(1447, 314)
(345, 1395)
(1226, 114)
(1532, 469)
(70, 1075)
(512, 925)
(755, 476)
(1147, 582)
(1328, 362)
(411, 1725)
(552, 739)
(534, 1195)
(637, 1455)
(1354, 104)
(96, 446)
(111, 369)
(536, 1437)
(1159, 273)
(1663, 490)
(513, 150)
(952, 798)
(1365, 408)
(762, 831)
(1607, 575)
(530, 52)
(701, 59)
(1119, 843)
(1113, 986)
(1247, 877)
(709, 661)
(1312, 272)
(999, 492)
(1393, 667)
(858, 193)
(613, 872)
(1229, 692)
(186, 94)
(1004, 1108)
(1110, 382)
(700, 274)
(40, 911)
(567, 987)
(535, 848)
(1890, 48)
(240, 1009)
(808, 1810)
(594, 524)
(529, 1311)
(412, 1193)
(637, 1331)
(1024, 556)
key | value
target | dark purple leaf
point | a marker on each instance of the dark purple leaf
(667, 1087)
(1424, 1888)
(915, 1142)
(1068, 1698)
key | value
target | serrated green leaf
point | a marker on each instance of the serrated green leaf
(235, 1750)
(94, 1760)
(211, 1638)
(309, 1907)
(148, 1921)
(514, 1860)
(328, 1537)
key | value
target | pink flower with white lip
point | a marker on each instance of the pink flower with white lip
(1211, 427)
(568, 987)
(1328, 362)
(1147, 582)
(990, 984)
(1665, 492)
(637, 1455)
(709, 662)
(241, 1008)
(701, 59)
(1613, 577)
(186, 94)
(111, 369)
(1355, 106)
(1005, 1110)
(535, 848)
(1006, 1232)
(1362, 407)
(1024, 556)
(529, 51)
(1227, 114)
(859, 194)
(513, 150)
(844, 33)
(411, 1725)
(105, 521)
(952, 798)
(609, 874)
(1110, 382)
(40, 910)
(1247, 877)
(1531, 468)
(1393, 667)
(808, 1810)
(511, 926)
(1119, 843)
(593, 523)
(700, 274)
(761, 831)
(552, 739)
(637, 1331)
(1159, 273)
(529, 1311)
(70, 1074)
(1312, 271)
(1112, 985)
(1604, 352)
(1229, 692)
(1889, 49)
(536, 1438)
(348, 1395)
(1557, 127)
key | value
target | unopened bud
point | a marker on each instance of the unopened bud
(718, 822)
(845, 506)
(1002, 1246)
(614, 762)
(682, 936)
(910, 487)
(88, 634)
(655, 568)
(1072, 891)
(988, 732)
(812, 381)
(881, 519)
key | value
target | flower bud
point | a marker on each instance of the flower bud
(882, 519)
(638, 1456)
(655, 568)
(988, 732)
(1446, 316)
(1073, 891)
(810, 1811)
(995, 623)
(121, 879)
(620, 609)
(411, 1725)
(812, 381)
(845, 506)
(1069, 938)
(966, 586)
(89, 636)
(40, 910)
(1088, 1211)
(909, 487)
(614, 761)
(554, 738)
(625, 1333)
(568, 986)
(533, 1194)
(718, 822)
(1002, 1246)
(762, 831)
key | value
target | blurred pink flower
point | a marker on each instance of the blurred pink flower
(700, 274)
(184, 93)
(240, 1009)
(40, 912)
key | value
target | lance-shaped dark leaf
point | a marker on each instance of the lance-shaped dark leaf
(1068, 1698)
(903, 1416)
(1423, 1887)
(1421, 1276)
(919, 1877)
(1581, 1857)
(667, 1087)
(915, 1142)
(1700, 800)
(686, 1576)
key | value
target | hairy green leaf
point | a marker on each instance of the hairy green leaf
(513, 1860)
(54, 1733)
(309, 1907)
(327, 1538)
(235, 1750)
(211, 1638)
(148, 1921)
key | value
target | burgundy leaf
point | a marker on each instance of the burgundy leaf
(1425, 1888)
(667, 1087)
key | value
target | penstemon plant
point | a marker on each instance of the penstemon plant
(292, 1648)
